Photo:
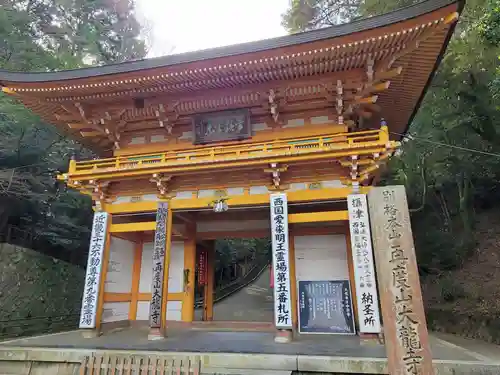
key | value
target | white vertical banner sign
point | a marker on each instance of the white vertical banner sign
(94, 268)
(364, 268)
(158, 264)
(281, 272)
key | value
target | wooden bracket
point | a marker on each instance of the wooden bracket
(340, 102)
(370, 64)
(99, 126)
(273, 105)
(275, 172)
(99, 192)
(167, 117)
(162, 182)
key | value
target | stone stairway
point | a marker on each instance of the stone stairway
(252, 303)
(140, 365)
(120, 364)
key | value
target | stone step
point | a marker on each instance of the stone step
(117, 364)
(228, 371)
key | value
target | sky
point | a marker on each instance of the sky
(176, 26)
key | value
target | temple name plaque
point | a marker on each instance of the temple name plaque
(221, 126)
(325, 307)
(405, 328)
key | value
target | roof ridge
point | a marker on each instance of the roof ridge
(331, 32)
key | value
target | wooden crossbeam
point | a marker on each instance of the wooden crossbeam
(388, 74)
(90, 134)
(317, 217)
(133, 227)
(77, 125)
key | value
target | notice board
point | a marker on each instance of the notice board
(326, 307)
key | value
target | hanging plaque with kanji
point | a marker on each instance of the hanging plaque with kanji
(279, 233)
(202, 267)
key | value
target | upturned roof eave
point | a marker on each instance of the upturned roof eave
(387, 19)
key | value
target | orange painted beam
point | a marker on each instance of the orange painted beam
(117, 297)
(136, 277)
(237, 200)
(189, 265)
(143, 297)
(317, 217)
(208, 303)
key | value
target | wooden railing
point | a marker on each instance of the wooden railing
(288, 147)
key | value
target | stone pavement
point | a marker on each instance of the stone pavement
(244, 352)
(186, 340)
(255, 350)
(253, 303)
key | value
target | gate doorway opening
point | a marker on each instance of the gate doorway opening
(237, 281)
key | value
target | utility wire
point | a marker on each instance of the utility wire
(412, 137)
(24, 166)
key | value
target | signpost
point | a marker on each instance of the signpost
(281, 271)
(326, 307)
(364, 269)
(94, 268)
(405, 328)
(158, 265)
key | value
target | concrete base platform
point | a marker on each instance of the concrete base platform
(237, 353)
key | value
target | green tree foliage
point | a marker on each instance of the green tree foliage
(305, 15)
(445, 185)
(46, 35)
(229, 252)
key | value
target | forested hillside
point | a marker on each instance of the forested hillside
(451, 156)
(41, 35)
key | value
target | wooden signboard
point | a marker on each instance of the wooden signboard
(158, 265)
(326, 307)
(202, 267)
(281, 261)
(221, 126)
(405, 328)
(364, 268)
(94, 269)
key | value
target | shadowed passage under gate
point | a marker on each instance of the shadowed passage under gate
(252, 303)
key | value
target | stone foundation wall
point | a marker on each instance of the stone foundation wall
(38, 294)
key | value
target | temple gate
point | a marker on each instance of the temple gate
(280, 138)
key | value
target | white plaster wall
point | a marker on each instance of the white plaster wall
(322, 257)
(120, 266)
(320, 120)
(217, 225)
(258, 190)
(142, 310)
(115, 311)
(176, 269)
